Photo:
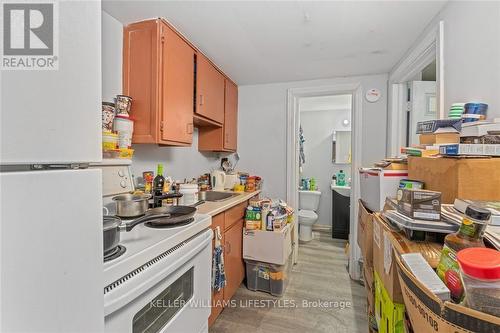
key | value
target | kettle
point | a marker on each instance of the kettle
(218, 179)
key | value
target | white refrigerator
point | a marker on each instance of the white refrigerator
(51, 261)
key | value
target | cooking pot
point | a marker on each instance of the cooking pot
(111, 234)
(131, 205)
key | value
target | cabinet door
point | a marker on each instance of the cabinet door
(217, 296)
(140, 77)
(231, 116)
(209, 89)
(233, 255)
(177, 86)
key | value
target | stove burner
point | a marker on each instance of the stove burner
(115, 253)
(168, 226)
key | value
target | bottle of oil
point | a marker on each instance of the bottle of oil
(470, 234)
(158, 184)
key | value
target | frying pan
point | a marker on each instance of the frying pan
(163, 216)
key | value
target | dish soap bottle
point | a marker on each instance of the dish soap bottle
(470, 234)
(341, 178)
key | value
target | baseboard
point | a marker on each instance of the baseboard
(320, 227)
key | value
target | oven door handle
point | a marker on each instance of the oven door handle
(128, 288)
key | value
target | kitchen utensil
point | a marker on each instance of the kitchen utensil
(166, 215)
(218, 179)
(111, 234)
(131, 205)
(123, 104)
(108, 114)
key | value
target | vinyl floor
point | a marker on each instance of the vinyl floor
(320, 297)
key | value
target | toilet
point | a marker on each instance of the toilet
(308, 205)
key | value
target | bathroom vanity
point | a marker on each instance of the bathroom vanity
(341, 208)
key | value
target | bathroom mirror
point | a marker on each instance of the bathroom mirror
(341, 147)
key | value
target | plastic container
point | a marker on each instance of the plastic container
(189, 194)
(480, 272)
(124, 126)
(266, 277)
(109, 140)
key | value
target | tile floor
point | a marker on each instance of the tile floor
(320, 275)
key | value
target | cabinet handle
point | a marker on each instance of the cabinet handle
(228, 248)
(190, 128)
(202, 100)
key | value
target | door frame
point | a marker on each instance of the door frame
(429, 47)
(292, 160)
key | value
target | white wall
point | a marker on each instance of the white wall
(262, 126)
(471, 52)
(318, 127)
(112, 42)
(179, 162)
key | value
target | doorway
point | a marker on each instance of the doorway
(293, 153)
(325, 164)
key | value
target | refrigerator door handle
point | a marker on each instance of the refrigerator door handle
(72, 166)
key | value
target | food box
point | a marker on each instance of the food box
(419, 204)
(464, 178)
(439, 138)
(365, 234)
(388, 314)
(471, 149)
(268, 246)
(428, 313)
(376, 184)
(253, 224)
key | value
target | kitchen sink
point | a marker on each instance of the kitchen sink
(219, 196)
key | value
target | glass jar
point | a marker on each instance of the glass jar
(469, 235)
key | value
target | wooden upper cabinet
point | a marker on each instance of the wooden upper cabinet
(158, 73)
(209, 90)
(231, 116)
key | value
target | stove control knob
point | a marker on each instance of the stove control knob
(123, 184)
(121, 173)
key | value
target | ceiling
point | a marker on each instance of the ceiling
(257, 42)
(324, 103)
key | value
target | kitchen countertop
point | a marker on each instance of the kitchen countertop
(213, 208)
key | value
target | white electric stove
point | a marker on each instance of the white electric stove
(160, 279)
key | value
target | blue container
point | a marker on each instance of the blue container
(474, 112)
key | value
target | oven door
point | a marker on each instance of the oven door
(171, 295)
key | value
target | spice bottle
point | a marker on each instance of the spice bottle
(470, 234)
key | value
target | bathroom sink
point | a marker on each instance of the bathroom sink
(219, 195)
(342, 190)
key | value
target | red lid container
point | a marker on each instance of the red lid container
(480, 263)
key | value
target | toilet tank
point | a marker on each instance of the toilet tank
(309, 200)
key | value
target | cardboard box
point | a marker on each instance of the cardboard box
(463, 178)
(439, 138)
(388, 314)
(383, 259)
(365, 234)
(272, 247)
(428, 313)
(386, 244)
(419, 204)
